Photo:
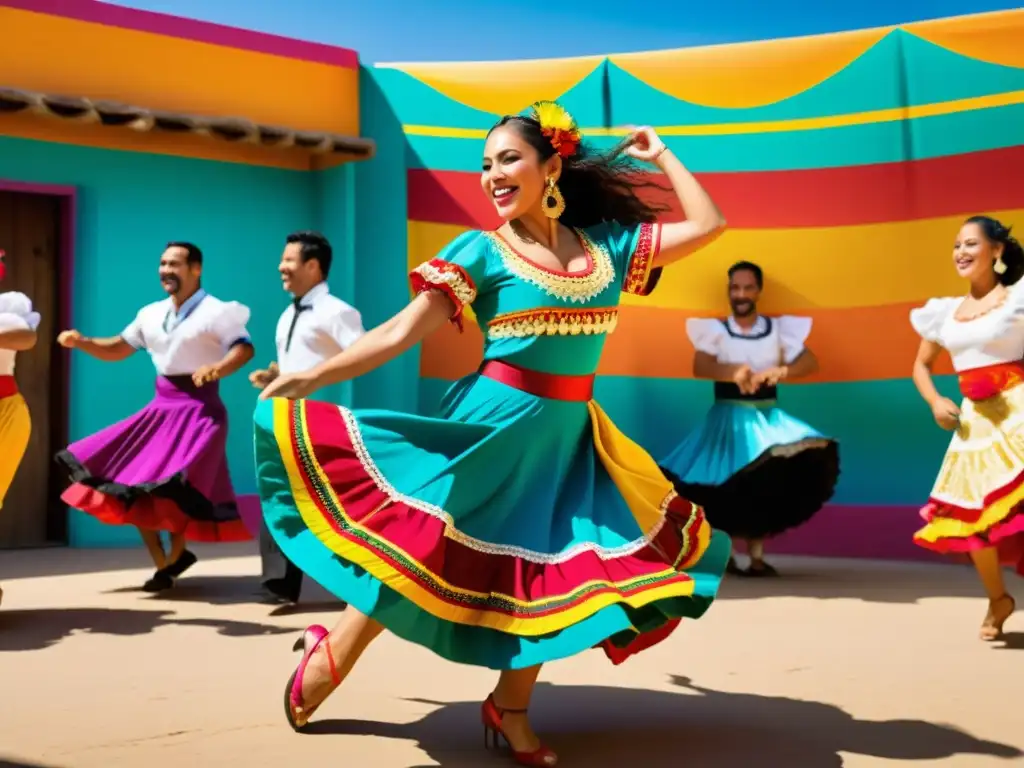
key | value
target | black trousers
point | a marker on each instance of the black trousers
(280, 575)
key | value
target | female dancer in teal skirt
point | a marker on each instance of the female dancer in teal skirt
(518, 526)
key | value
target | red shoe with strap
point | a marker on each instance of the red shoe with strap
(492, 715)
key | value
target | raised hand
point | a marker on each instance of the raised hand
(645, 145)
(69, 339)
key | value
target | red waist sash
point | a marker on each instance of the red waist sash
(988, 381)
(8, 386)
(550, 385)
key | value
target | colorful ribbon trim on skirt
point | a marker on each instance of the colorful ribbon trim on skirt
(549, 385)
(8, 386)
(982, 383)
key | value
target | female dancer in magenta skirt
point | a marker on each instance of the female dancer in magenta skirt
(519, 526)
(18, 324)
(975, 505)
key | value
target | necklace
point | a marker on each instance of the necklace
(982, 312)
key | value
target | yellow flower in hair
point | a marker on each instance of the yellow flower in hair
(558, 125)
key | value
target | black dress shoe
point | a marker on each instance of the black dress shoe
(278, 591)
(182, 564)
(160, 581)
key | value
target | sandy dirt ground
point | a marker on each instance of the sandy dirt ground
(837, 663)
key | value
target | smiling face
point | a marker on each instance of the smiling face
(743, 293)
(177, 276)
(974, 255)
(513, 174)
(298, 276)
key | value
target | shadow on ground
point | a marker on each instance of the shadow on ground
(234, 590)
(868, 580)
(7, 762)
(605, 727)
(67, 561)
(33, 630)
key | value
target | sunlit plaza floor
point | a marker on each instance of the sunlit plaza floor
(836, 663)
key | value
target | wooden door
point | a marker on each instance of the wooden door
(33, 514)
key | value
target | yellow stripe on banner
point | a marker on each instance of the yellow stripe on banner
(768, 126)
(806, 268)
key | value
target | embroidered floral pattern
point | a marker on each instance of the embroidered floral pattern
(558, 321)
(450, 279)
(638, 274)
(579, 287)
(490, 548)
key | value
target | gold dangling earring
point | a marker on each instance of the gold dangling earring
(999, 266)
(553, 204)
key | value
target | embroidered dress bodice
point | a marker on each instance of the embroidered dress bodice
(198, 333)
(537, 318)
(16, 314)
(770, 342)
(992, 338)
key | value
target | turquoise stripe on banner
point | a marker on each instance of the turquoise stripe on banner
(889, 446)
(939, 136)
(899, 70)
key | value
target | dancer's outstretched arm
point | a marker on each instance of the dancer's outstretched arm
(704, 222)
(110, 349)
(18, 340)
(944, 410)
(421, 317)
(236, 357)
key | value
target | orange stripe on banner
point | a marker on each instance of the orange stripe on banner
(52, 54)
(859, 344)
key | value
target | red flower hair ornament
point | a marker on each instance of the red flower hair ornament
(558, 126)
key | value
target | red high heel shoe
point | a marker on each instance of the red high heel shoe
(491, 714)
(294, 708)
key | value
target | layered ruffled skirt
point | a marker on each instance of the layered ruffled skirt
(163, 468)
(15, 430)
(518, 527)
(756, 470)
(976, 500)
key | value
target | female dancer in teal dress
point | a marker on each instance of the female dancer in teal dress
(519, 526)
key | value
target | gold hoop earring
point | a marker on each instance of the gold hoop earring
(999, 266)
(553, 204)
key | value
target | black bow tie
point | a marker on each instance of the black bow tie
(299, 307)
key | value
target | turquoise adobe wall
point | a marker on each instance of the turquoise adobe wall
(130, 204)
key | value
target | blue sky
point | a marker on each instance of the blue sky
(465, 30)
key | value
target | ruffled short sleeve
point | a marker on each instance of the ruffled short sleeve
(793, 333)
(346, 326)
(16, 312)
(133, 333)
(1015, 297)
(928, 320)
(228, 323)
(633, 249)
(459, 271)
(706, 335)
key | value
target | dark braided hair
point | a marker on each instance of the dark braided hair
(596, 186)
(1013, 255)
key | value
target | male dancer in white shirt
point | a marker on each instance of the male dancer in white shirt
(756, 470)
(165, 467)
(314, 327)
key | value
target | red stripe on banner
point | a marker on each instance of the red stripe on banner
(824, 197)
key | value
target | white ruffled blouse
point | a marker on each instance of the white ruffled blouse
(993, 338)
(770, 342)
(16, 314)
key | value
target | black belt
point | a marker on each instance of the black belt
(727, 390)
